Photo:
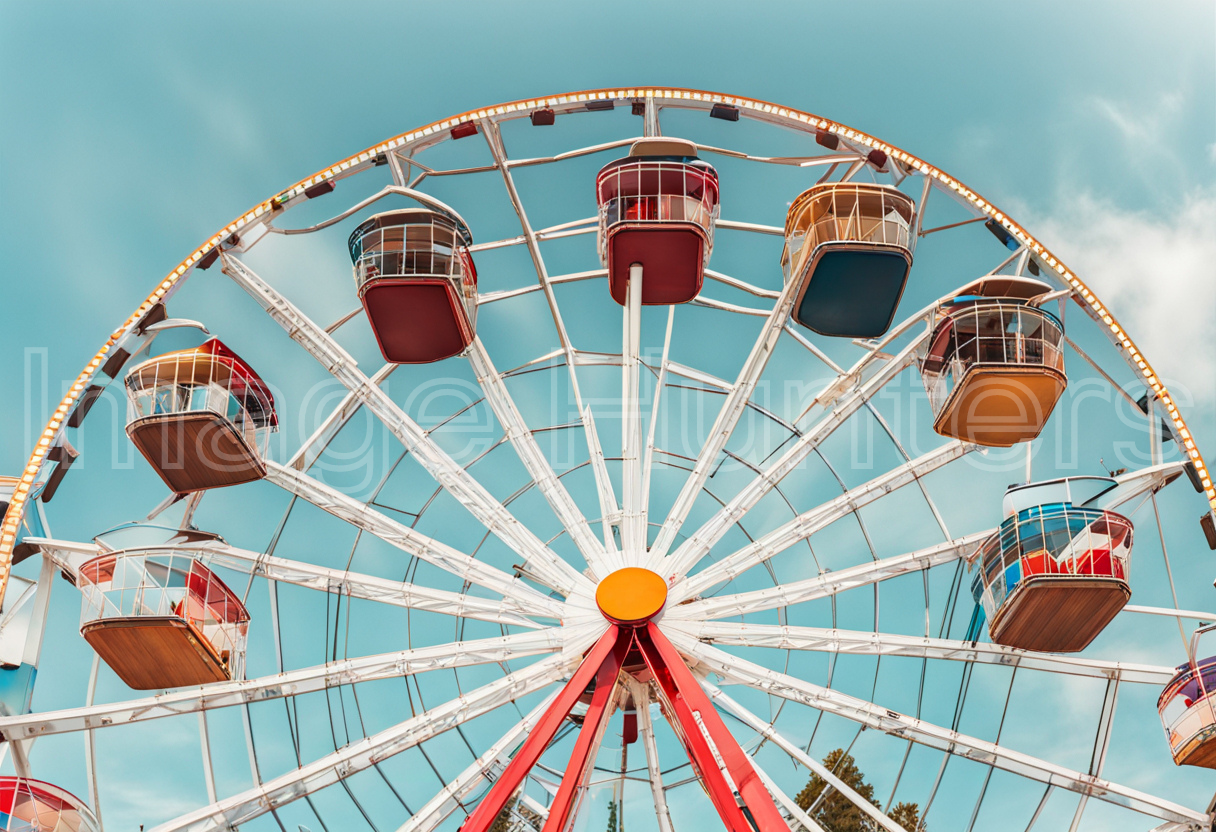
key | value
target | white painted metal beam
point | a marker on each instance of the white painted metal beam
(687, 555)
(810, 522)
(486, 768)
(830, 583)
(290, 683)
(821, 639)
(68, 556)
(529, 452)
(540, 560)
(633, 513)
(363, 754)
(728, 418)
(873, 716)
(766, 730)
(409, 540)
(641, 704)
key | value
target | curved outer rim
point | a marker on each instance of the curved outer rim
(570, 102)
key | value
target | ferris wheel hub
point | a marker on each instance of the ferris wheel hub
(631, 596)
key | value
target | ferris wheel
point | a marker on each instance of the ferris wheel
(662, 444)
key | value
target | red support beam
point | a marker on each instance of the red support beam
(570, 793)
(734, 787)
(538, 740)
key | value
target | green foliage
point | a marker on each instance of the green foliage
(906, 815)
(612, 818)
(836, 813)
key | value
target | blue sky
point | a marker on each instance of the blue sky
(132, 131)
(158, 123)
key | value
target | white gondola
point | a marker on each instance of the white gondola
(1187, 707)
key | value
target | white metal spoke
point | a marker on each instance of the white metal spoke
(822, 639)
(728, 418)
(370, 588)
(389, 190)
(1197, 615)
(292, 682)
(547, 603)
(633, 513)
(1135, 483)
(766, 730)
(316, 444)
(830, 583)
(488, 767)
(795, 811)
(741, 285)
(899, 725)
(499, 152)
(534, 461)
(541, 561)
(782, 799)
(687, 555)
(772, 230)
(561, 157)
(641, 704)
(520, 291)
(364, 753)
(648, 453)
(610, 512)
(68, 556)
(810, 522)
(411, 541)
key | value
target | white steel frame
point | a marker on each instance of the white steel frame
(548, 598)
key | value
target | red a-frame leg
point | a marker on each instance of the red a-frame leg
(735, 789)
(569, 794)
(540, 737)
(738, 794)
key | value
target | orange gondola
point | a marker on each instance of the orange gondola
(161, 619)
(657, 208)
(201, 417)
(994, 368)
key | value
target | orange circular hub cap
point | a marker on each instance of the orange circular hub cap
(631, 596)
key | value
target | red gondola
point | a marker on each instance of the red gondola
(1056, 572)
(161, 619)
(657, 208)
(417, 283)
(201, 417)
(994, 369)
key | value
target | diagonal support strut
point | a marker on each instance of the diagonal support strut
(737, 791)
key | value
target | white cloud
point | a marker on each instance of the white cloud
(1156, 271)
